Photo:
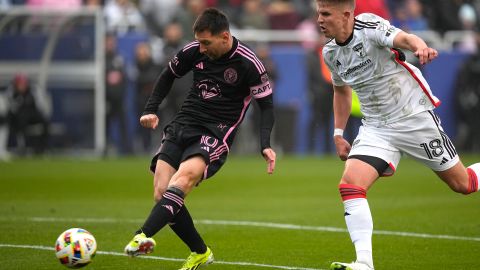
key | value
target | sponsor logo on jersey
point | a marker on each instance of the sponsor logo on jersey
(199, 65)
(261, 90)
(444, 160)
(230, 75)
(360, 50)
(356, 68)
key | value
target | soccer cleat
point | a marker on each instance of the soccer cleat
(350, 266)
(140, 245)
(195, 261)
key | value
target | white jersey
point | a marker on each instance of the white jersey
(388, 89)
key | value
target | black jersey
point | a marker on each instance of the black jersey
(222, 88)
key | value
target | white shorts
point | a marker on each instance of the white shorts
(419, 136)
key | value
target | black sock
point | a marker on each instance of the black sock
(164, 211)
(182, 225)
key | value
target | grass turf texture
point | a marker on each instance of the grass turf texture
(111, 198)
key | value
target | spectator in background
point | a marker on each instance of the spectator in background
(4, 155)
(173, 39)
(320, 96)
(282, 15)
(115, 85)
(147, 72)
(443, 15)
(122, 16)
(159, 13)
(232, 8)
(187, 15)
(468, 19)
(377, 7)
(55, 4)
(27, 117)
(467, 97)
(253, 15)
(93, 3)
(409, 16)
(164, 49)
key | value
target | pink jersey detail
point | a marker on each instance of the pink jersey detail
(246, 102)
(177, 199)
(190, 45)
(253, 55)
(218, 152)
(261, 90)
(432, 99)
(242, 51)
(170, 65)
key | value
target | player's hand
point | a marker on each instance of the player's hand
(149, 121)
(426, 55)
(343, 147)
(270, 156)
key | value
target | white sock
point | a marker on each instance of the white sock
(474, 179)
(360, 226)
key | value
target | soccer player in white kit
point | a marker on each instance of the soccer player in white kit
(397, 105)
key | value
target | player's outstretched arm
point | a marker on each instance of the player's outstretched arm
(149, 121)
(270, 156)
(416, 45)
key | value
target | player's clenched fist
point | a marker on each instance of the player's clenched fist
(149, 121)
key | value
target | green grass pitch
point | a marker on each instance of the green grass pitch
(292, 219)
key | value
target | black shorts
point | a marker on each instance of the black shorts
(181, 142)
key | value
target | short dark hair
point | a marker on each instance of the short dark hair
(212, 20)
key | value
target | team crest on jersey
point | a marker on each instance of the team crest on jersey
(230, 75)
(360, 50)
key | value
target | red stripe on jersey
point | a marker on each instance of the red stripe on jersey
(436, 103)
(349, 192)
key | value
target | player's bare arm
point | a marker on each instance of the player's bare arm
(416, 45)
(342, 105)
(149, 121)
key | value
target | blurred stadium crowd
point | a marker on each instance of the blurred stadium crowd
(168, 23)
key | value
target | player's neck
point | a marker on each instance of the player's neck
(345, 33)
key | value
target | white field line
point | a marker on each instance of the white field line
(255, 224)
(111, 253)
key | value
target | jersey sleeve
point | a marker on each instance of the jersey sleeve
(328, 58)
(183, 61)
(383, 33)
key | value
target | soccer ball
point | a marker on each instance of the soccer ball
(75, 248)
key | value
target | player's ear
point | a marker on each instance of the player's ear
(225, 36)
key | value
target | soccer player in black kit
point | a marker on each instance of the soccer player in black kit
(226, 76)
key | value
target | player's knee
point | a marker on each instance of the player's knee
(185, 181)
(158, 193)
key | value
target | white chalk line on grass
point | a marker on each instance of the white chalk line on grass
(256, 224)
(167, 259)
